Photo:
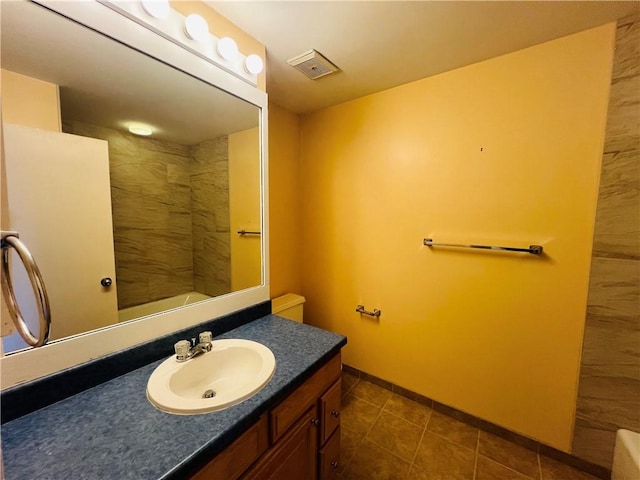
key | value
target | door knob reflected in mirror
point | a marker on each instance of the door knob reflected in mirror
(106, 282)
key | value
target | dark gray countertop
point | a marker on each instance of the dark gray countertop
(111, 431)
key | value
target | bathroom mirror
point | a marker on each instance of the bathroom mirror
(150, 237)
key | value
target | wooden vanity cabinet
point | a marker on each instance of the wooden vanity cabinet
(298, 439)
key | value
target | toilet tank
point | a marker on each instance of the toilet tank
(288, 306)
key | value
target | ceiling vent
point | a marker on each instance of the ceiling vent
(313, 64)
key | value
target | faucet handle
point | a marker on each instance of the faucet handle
(182, 349)
(205, 337)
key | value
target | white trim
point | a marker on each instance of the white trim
(29, 364)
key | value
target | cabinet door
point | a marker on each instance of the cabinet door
(285, 414)
(229, 464)
(330, 410)
(294, 457)
(330, 458)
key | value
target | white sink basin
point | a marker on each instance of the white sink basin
(234, 370)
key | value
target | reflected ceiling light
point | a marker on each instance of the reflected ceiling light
(196, 28)
(156, 8)
(253, 64)
(140, 130)
(227, 48)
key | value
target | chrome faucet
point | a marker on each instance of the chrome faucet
(186, 350)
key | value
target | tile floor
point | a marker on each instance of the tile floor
(388, 437)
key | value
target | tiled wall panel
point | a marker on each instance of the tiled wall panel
(609, 390)
(170, 215)
(210, 208)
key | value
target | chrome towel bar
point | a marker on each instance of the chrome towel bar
(248, 232)
(533, 249)
(10, 239)
(375, 313)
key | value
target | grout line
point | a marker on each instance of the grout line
(374, 421)
(453, 441)
(344, 394)
(475, 463)
(415, 454)
(539, 466)
(346, 464)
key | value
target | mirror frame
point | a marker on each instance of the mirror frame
(30, 364)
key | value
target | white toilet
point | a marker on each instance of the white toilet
(288, 306)
(626, 456)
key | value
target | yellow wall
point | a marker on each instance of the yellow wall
(505, 152)
(244, 208)
(221, 27)
(30, 102)
(285, 228)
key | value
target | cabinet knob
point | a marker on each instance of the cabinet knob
(316, 422)
(106, 282)
(334, 464)
(335, 413)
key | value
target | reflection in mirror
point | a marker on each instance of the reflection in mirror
(122, 225)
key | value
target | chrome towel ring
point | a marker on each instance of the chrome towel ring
(10, 239)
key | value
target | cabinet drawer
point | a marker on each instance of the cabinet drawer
(330, 410)
(287, 412)
(236, 458)
(294, 458)
(330, 457)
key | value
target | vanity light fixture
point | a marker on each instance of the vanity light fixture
(192, 34)
(157, 8)
(227, 48)
(140, 130)
(253, 64)
(196, 28)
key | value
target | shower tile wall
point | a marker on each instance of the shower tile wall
(157, 216)
(609, 389)
(210, 213)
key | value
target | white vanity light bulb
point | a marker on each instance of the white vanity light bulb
(156, 8)
(196, 28)
(227, 48)
(253, 64)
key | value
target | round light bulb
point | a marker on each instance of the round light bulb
(156, 8)
(196, 28)
(227, 48)
(253, 64)
(140, 130)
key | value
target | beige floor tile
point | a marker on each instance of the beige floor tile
(396, 435)
(487, 469)
(438, 458)
(411, 411)
(358, 415)
(371, 393)
(554, 470)
(507, 453)
(372, 462)
(348, 381)
(349, 442)
(452, 429)
(416, 474)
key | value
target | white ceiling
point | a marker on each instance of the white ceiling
(382, 44)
